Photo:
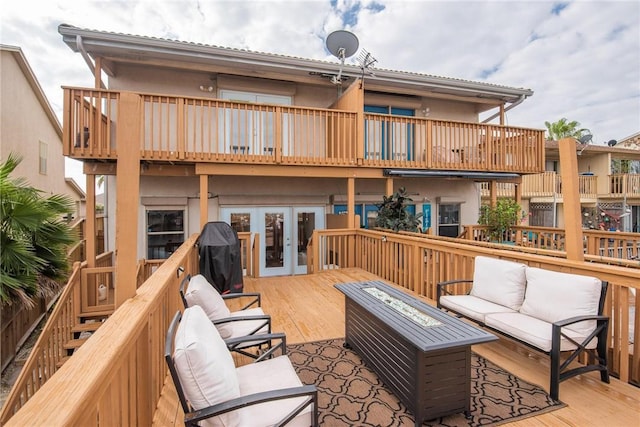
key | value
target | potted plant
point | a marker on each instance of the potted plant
(394, 215)
(499, 218)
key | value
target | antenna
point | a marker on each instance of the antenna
(366, 60)
(342, 44)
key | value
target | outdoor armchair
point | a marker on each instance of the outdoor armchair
(230, 324)
(213, 392)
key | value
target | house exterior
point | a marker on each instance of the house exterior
(36, 136)
(608, 185)
(30, 129)
(189, 133)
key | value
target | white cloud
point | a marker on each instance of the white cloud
(582, 63)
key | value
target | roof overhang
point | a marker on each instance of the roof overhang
(429, 173)
(115, 48)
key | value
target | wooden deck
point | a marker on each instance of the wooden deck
(309, 308)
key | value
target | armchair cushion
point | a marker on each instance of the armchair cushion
(267, 375)
(205, 366)
(499, 281)
(552, 296)
(200, 292)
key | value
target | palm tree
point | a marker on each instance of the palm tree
(33, 239)
(565, 129)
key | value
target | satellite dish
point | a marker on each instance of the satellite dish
(612, 142)
(342, 44)
(585, 139)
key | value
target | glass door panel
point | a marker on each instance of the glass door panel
(275, 238)
(307, 219)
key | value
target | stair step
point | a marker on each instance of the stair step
(86, 327)
(62, 360)
(73, 344)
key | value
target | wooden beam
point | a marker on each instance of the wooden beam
(127, 196)
(493, 193)
(99, 168)
(571, 198)
(294, 171)
(389, 187)
(90, 222)
(204, 200)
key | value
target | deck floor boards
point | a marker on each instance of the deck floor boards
(309, 308)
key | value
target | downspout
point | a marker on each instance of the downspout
(515, 104)
(87, 59)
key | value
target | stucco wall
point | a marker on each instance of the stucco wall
(226, 191)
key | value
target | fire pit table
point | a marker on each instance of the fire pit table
(421, 353)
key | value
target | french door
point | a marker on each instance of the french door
(284, 234)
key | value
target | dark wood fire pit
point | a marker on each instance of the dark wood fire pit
(420, 352)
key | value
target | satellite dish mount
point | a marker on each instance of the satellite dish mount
(342, 44)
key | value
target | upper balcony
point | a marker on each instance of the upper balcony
(548, 185)
(198, 130)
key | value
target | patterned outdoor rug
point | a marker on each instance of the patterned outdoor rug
(351, 394)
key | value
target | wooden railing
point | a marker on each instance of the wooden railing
(49, 353)
(546, 184)
(212, 130)
(625, 184)
(606, 245)
(116, 377)
(418, 263)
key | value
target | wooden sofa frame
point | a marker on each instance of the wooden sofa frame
(560, 370)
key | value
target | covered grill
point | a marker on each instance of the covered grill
(220, 257)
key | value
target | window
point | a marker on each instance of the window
(165, 232)
(449, 220)
(43, 158)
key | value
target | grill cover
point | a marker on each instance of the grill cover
(220, 257)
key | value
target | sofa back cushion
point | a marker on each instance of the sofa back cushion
(499, 281)
(205, 365)
(553, 296)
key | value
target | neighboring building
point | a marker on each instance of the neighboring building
(608, 183)
(189, 133)
(30, 128)
(632, 142)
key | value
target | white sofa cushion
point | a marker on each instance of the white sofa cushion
(553, 296)
(276, 373)
(201, 292)
(499, 281)
(472, 307)
(533, 331)
(205, 366)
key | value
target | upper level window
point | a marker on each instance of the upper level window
(43, 158)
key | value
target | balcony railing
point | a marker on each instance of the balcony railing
(172, 128)
(546, 184)
(625, 184)
(118, 376)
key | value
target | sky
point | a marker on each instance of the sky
(580, 58)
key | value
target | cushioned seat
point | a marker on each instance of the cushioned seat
(249, 321)
(260, 394)
(472, 307)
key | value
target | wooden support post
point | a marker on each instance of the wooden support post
(571, 196)
(518, 196)
(502, 114)
(127, 196)
(389, 187)
(90, 222)
(351, 203)
(493, 193)
(97, 73)
(204, 200)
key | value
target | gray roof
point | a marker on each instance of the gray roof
(118, 47)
